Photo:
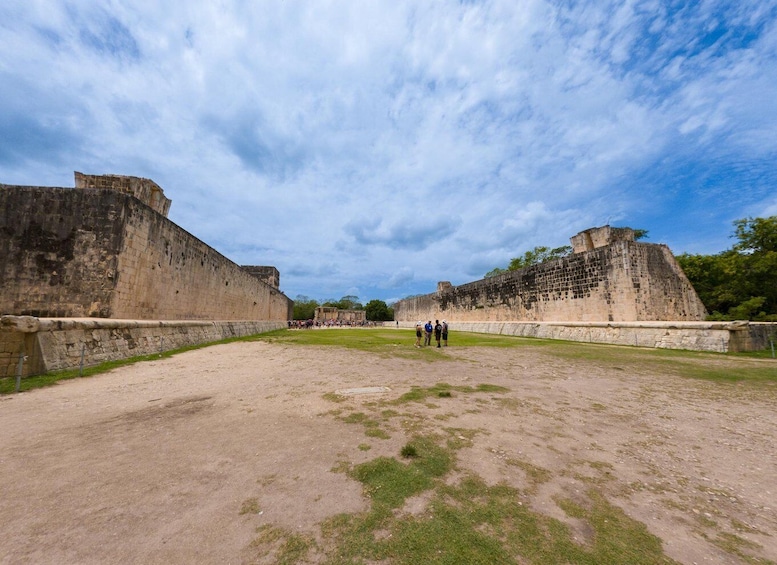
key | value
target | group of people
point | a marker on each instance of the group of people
(425, 330)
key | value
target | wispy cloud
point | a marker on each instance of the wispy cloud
(384, 146)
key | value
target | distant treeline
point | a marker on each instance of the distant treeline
(375, 310)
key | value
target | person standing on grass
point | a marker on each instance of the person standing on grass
(428, 333)
(437, 332)
(419, 327)
(445, 333)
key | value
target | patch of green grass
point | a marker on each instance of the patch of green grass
(534, 474)
(736, 545)
(392, 341)
(460, 437)
(389, 482)
(250, 506)
(377, 433)
(421, 394)
(371, 427)
(471, 522)
(691, 364)
(617, 538)
(287, 548)
(726, 373)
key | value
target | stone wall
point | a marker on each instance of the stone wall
(103, 253)
(59, 250)
(166, 273)
(54, 344)
(145, 190)
(270, 275)
(720, 337)
(623, 281)
(330, 313)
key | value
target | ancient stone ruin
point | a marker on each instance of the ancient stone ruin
(609, 277)
(90, 274)
(331, 314)
(106, 249)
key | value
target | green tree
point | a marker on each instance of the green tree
(739, 283)
(348, 302)
(378, 311)
(495, 271)
(304, 307)
(536, 256)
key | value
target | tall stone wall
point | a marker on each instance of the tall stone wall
(166, 273)
(624, 281)
(103, 253)
(59, 251)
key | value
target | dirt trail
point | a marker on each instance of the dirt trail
(153, 463)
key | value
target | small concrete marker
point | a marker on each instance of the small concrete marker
(362, 390)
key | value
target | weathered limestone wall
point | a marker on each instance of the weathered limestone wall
(624, 281)
(59, 250)
(54, 344)
(270, 275)
(721, 337)
(166, 273)
(102, 253)
(145, 190)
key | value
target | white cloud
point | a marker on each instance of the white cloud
(388, 145)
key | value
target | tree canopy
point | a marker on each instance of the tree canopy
(378, 311)
(348, 302)
(304, 307)
(536, 256)
(739, 283)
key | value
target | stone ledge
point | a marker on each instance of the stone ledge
(61, 343)
(721, 337)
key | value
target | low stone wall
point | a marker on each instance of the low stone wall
(51, 344)
(722, 337)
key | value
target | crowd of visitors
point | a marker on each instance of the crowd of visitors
(308, 324)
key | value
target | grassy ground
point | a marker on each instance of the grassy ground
(397, 342)
(464, 519)
(692, 364)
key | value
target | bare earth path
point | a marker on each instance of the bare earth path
(155, 463)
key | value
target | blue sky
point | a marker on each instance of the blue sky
(373, 148)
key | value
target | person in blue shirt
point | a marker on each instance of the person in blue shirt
(428, 333)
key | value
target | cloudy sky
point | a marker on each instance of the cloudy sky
(375, 147)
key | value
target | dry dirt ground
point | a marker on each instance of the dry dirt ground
(158, 462)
